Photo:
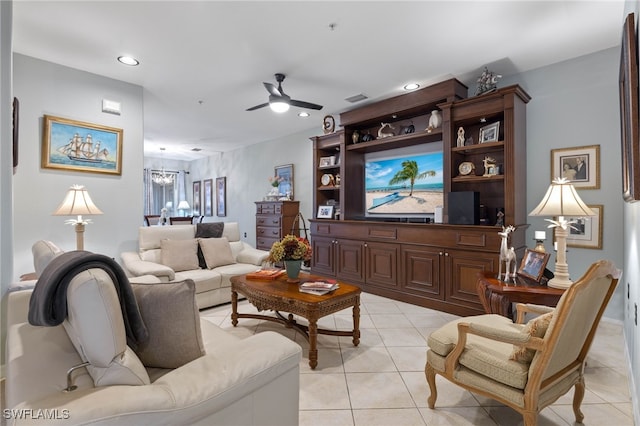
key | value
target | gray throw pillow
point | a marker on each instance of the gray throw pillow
(171, 315)
(207, 230)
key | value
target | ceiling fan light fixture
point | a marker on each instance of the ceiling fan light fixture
(279, 106)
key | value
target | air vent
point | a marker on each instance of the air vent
(356, 98)
(196, 149)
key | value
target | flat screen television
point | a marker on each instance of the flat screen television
(404, 182)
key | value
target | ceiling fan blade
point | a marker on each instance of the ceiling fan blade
(258, 107)
(272, 89)
(303, 104)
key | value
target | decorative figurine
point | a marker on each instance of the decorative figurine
(460, 141)
(507, 255)
(500, 217)
(385, 134)
(489, 166)
(367, 137)
(409, 129)
(355, 136)
(487, 82)
(435, 120)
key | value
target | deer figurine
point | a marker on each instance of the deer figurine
(507, 255)
(385, 134)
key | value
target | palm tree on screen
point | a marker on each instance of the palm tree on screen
(410, 173)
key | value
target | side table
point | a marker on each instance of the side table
(497, 296)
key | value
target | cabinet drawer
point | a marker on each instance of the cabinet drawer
(268, 221)
(265, 231)
(265, 243)
(265, 209)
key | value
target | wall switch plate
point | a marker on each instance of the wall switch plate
(112, 107)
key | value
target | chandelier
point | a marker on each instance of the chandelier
(162, 178)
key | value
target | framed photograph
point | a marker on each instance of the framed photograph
(285, 174)
(196, 198)
(326, 161)
(490, 132)
(533, 264)
(628, 83)
(325, 212)
(586, 232)
(207, 199)
(83, 147)
(581, 165)
(221, 196)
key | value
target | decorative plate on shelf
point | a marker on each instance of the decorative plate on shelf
(328, 124)
(466, 167)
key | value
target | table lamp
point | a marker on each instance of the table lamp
(183, 205)
(77, 202)
(561, 200)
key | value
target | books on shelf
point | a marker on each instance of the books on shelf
(318, 287)
(265, 274)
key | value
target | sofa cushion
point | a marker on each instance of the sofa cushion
(205, 279)
(95, 326)
(216, 252)
(536, 327)
(170, 313)
(207, 230)
(149, 237)
(180, 255)
(43, 252)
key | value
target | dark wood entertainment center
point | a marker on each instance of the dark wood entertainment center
(434, 265)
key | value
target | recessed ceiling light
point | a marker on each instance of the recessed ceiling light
(303, 114)
(128, 60)
(411, 86)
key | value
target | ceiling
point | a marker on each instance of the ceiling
(202, 63)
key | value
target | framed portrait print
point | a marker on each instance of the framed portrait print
(285, 175)
(628, 84)
(221, 196)
(325, 212)
(580, 165)
(490, 133)
(196, 198)
(533, 264)
(83, 147)
(207, 199)
(586, 232)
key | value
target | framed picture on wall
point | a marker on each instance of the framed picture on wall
(580, 165)
(221, 196)
(285, 175)
(207, 199)
(82, 147)
(586, 231)
(196, 198)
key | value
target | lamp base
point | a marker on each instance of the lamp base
(559, 283)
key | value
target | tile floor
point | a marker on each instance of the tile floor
(381, 382)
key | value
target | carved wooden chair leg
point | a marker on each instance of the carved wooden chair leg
(431, 379)
(577, 400)
(530, 418)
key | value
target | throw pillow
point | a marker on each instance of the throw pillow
(537, 327)
(180, 255)
(207, 230)
(216, 252)
(171, 315)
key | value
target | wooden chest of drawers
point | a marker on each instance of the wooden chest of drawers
(274, 220)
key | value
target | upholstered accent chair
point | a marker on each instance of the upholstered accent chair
(151, 219)
(526, 367)
(180, 220)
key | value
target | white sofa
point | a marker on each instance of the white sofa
(252, 381)
(213, 286)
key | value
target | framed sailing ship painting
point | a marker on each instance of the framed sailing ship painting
(83, 147)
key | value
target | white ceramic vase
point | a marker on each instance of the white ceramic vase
(435, 120)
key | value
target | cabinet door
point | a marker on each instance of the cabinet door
(324, 256)
(350, 261)
(382, 264)
(421, 271)
(462, 269)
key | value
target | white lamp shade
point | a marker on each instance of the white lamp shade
(183, 205)
(77, 202)
(561, 199)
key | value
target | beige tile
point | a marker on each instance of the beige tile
(391, 321)
(382, 308)
(457, 416)
(323, 391)
(449, 395)
(408, 358)
(329, 361)
(595, 414)
(610, 384)
(325, 418)
(402, 337)
(378, 390)
(386, 417)
(430, 320)
(368, 338)
(345, 321)
(367, 359)
(505, 416)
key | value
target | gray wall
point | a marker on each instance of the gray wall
(47, 88)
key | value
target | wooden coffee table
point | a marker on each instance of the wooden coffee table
(279, 295)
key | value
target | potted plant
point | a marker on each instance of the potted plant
(291, 250)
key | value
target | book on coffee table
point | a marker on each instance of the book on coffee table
(265, 274)
(318, 287)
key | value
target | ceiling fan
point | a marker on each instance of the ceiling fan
(279, 101)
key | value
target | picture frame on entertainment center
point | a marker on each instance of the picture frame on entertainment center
(628, 86)
(325, 212)
(490, 132)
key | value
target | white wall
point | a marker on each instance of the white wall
(47, 88)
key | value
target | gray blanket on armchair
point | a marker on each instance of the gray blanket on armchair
(48, 304)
